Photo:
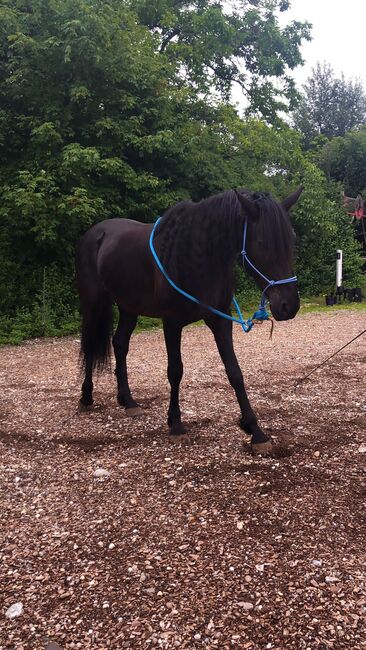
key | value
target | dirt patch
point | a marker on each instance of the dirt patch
(193, 543)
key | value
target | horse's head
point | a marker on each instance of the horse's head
(270, 245)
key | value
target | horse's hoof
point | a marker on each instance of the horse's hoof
(262, 448)
(134, 411)
(84, 408)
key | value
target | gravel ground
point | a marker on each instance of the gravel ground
(193, 544)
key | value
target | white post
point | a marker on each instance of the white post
(339, 268)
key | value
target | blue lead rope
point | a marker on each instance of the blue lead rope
(260, 315)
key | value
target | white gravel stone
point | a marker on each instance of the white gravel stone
(246, 606)
(331, 579)
(101, 473)
(14, 611)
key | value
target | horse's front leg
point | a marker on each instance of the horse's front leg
(173, 337)
(222, 331)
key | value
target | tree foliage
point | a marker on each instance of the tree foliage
(87, 111)
(344, 160)
(329, 106)
(215, 43)
(321, 228)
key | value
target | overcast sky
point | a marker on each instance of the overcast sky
(338, 33)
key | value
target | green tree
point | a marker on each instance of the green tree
(344, 160)
(321, 228)
(87, 108)
(214, 45)
(329, 106)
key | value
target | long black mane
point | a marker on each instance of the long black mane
(274, 227)
(199, 241)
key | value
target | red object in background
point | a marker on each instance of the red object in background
(357, 204)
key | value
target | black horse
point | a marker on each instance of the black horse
(198, 245)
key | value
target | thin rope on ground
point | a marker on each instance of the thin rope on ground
(299, 381)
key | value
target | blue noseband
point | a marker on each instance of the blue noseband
(260, 315)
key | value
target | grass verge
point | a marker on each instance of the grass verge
(27, 325)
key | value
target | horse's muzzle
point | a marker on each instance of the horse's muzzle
(284, 304)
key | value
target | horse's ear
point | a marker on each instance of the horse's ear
(250, 207)
(289, 201)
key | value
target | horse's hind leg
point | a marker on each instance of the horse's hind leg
(86, 399)
(173, 336)
(121, 341)
(95, 341)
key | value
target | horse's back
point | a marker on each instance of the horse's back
(109, 235)
(113, 228)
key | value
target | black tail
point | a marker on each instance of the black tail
(96, 332)
(95, 303)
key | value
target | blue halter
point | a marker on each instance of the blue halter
(270, 283)
(260, 315)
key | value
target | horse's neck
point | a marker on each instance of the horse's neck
(205, 258)
(227, 245)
